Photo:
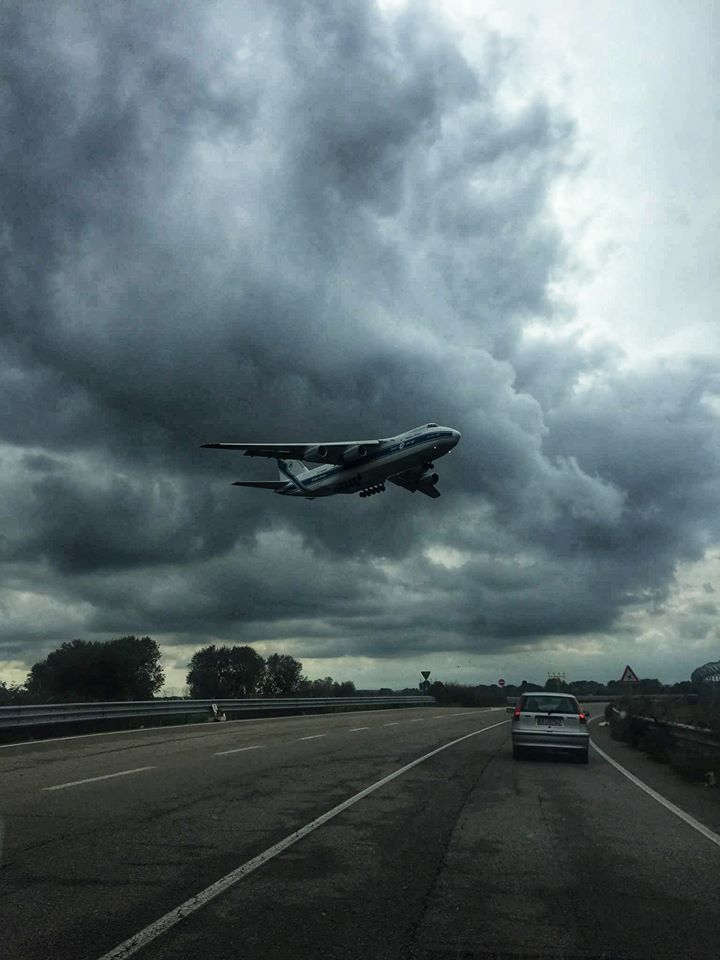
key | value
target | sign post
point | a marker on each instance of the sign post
(425, 683)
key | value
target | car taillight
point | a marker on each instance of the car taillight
(516, 715)
(583, 718)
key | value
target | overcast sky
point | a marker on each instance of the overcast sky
(314, 220)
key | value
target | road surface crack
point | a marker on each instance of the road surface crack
(410, 951)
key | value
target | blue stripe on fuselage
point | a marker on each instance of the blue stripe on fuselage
(291, 477)
(412, 441)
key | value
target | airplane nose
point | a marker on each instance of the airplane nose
(456, 436)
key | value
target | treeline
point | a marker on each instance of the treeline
(128, 668)
(481, 695)
(226, 673)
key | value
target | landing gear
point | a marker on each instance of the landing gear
(376, 488)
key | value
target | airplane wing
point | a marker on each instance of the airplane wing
(412, 480)
(261, 484)
(334, 452)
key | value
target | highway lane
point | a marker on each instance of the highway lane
(95, 860)
(467, 854)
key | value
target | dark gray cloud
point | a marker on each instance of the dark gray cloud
(293, 221)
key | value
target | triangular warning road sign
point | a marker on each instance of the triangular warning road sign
(629, 676)
(425, 673)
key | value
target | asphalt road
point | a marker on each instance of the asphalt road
(466, 854)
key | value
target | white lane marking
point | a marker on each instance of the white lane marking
(691, 821)
(106, 776)
(418, 720)
(355, 729)
(315, 736)
(393, 724)
(222, 753)
(199, 725)
(156, 929)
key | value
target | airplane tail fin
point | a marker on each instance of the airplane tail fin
(287, 469)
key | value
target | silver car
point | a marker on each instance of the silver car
(550, 722)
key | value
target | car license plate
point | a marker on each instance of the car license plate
(549, 721)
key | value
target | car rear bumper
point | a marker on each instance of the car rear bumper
(542, 740)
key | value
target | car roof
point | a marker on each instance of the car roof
(548, 693)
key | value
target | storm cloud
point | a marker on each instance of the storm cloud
(257, 222)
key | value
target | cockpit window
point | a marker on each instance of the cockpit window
(431, 424)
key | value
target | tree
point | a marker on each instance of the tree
(139, 673)
(284, 675)
(327, 687)
(13, 695)
(318, 688)
(583, 688)
(127, 668)
(225, 673)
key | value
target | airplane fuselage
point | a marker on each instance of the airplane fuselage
(415, 449)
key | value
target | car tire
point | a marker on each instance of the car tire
(584, 757)
(518, 753)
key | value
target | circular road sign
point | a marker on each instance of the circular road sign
(501, 682)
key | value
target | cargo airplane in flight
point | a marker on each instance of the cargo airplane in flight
(353, 466)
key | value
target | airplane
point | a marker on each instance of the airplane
(353, 466)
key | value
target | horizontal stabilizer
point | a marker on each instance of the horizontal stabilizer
(261, 484)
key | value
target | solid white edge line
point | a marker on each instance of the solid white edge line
(668, 804)
(156, 929)
(222, 753)
(106, 776)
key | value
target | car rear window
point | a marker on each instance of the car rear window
(549, 705)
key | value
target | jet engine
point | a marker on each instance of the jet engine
(316, 454)
(356, 452)
(428, 477)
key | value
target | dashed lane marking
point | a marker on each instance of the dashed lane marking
(198, 728)
(106, 776)
(255, 746)
(315, 736)
(355, 729)
(166, 922)
(393, 724)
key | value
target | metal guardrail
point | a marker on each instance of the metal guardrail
(35, 715)
(680, 733)
(684, 732)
